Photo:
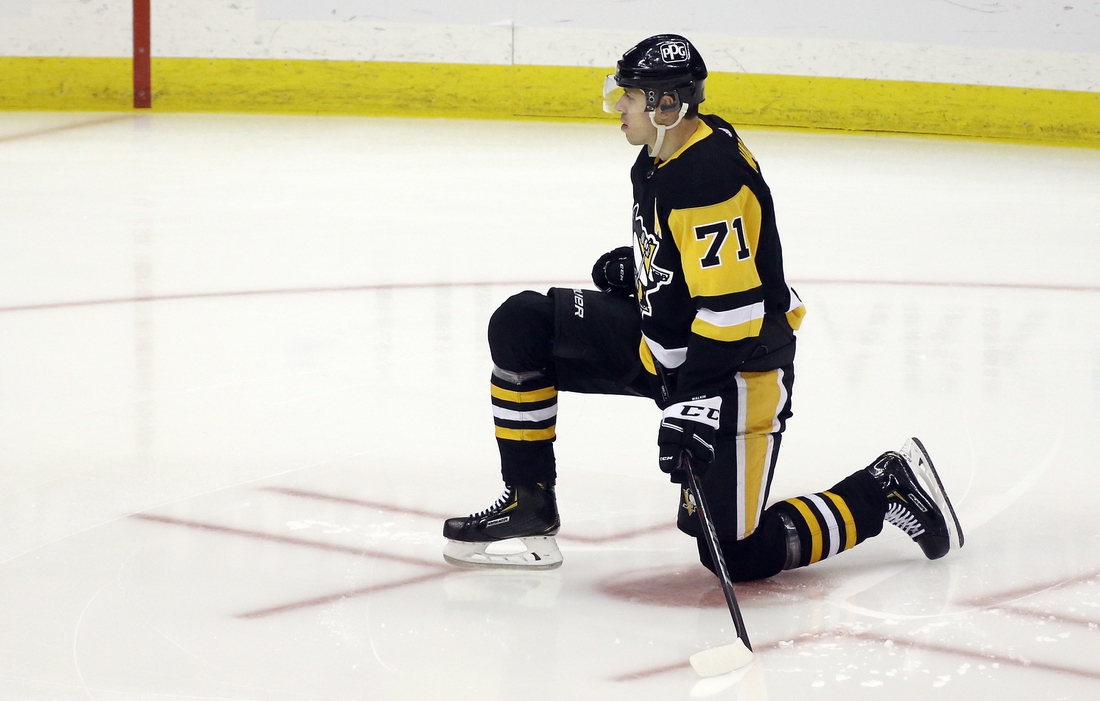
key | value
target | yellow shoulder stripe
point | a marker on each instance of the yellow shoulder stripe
(702, 131)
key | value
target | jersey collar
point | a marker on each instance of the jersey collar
(701, 132)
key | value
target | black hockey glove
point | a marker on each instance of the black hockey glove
(688, 427)
(614, 271)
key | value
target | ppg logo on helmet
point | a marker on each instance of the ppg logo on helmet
(674, 52)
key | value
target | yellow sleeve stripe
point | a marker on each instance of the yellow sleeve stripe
(518, 434)
(747, 155)
(535, 395)
(796, 311)
(647, 357)
(849, 521)
(813, 525)
(747, 329)
(794, 317)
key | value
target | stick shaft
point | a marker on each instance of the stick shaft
(716, 556)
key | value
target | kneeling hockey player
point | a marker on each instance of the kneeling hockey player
(699, 318)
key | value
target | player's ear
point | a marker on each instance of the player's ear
(669, 103)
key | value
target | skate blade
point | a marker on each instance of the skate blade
(539, 553)
(918, 458)
(721, 660)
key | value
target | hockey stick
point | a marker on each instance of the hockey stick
(727, 658)
(718, 660)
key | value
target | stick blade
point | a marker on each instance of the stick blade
(721, 660)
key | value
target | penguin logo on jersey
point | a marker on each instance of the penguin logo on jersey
(689, 502)
(650, 277)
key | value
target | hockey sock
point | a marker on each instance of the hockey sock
(525, 411)
(835, 520)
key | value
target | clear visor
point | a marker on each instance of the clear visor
(618, 100)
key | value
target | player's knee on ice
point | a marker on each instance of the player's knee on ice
(758, 556)
(521, 332)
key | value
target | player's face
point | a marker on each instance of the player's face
(635, 120)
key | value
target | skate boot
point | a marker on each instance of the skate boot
(526, 516)
(915, 499)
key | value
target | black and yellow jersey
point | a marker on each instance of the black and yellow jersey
(711, 289)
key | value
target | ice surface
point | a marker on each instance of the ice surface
(243, 378)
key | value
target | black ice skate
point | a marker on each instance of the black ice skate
(523, 515)
(915, 499)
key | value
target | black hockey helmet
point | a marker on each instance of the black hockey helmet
(665, 64)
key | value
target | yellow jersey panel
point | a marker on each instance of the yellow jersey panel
(718, 243)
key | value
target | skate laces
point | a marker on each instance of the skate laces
(501, 501)
(904, 519)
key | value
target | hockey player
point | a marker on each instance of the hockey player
(698, 317)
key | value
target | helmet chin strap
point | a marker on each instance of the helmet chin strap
(655, 149)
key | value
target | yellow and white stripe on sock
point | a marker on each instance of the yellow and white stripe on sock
(825, 526)
(524, 412)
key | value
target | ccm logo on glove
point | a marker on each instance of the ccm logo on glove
(706, 410)
(701, 412)
(688, 428)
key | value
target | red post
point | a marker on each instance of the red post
(143, 82)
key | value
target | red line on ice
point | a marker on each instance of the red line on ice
(288, 540)
(393, 508)
(654, 671)
(1048, 616)
(986, 656)
(503, 283)
(322, 600)
(274, 291)
(55, 130)
(928, 647)
(997, 600)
